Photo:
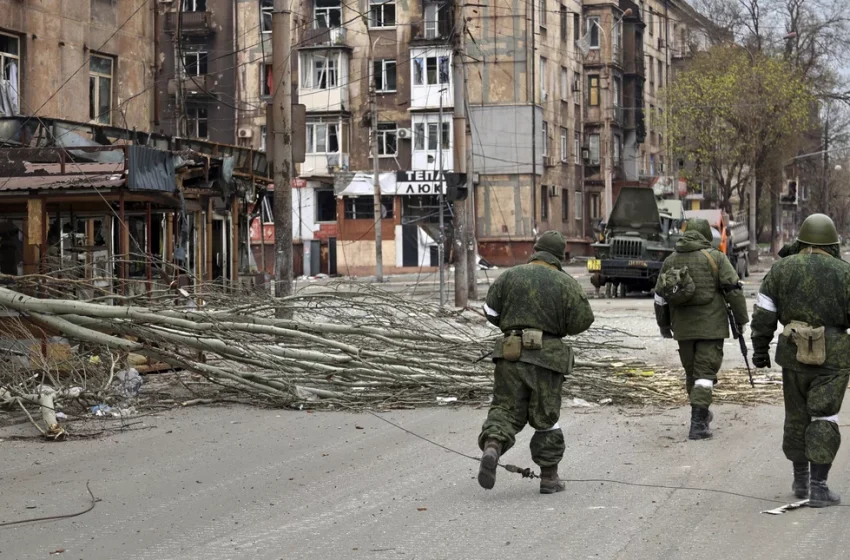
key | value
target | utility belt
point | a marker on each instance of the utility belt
(810, 341)
(518, 339)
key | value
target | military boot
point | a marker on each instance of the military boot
(489, 462)
(549, 481)
(820, 495)
(800, 486)
(700, 417)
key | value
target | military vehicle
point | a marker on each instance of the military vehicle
(637, 238)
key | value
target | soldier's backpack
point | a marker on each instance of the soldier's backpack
(676, 286)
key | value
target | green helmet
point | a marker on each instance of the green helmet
(818, 230)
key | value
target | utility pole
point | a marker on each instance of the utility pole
(754, 248)
(460, 236)
(179, 112)
(282, 147)
(376, 168)
(825, 178)
(441, 246)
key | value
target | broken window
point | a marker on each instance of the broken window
(426, 136)
(322, 138)
(387, 139)
(325, 205)
(266, 7)
(327, 14)
(100, 89)
(381, 13)
(195, 63)
(363, 207)
(593, 148)
(198, 122)
(194, 5)
(268, 80)
(319, 72)
(385, 75)
(593, 31)
(431, 70)
(436, 20)
(10, 60)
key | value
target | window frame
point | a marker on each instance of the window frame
(564, 145)
(577, 147)
(562, 14)
(263, 137)
(579, 204)
(544, 203)
(421, 63)
(593, 87)
(594, 143)
(544, 70)
(267, 80)
(390, 129)
(565, 83)
(545, 146)
(541, 13)
(595, 211)
(326, 11)
(576, 27)
(592, 24)
(6, 57)
(565, 204)
(384, 64)
(317, 216)
(185, 3)
(266, 11)
(94, 94)
(423, 138)
(309, 77)
(193, 114)
(200, 57)
(381, 5)
(351, 213)
(312, 138)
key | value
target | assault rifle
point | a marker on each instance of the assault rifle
(736, 333)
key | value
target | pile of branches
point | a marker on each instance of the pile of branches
(342, 344)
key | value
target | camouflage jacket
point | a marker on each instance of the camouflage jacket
(809, 287)
(709, 321)
(540, 295)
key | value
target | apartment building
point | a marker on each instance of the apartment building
(82, 61)
(555, 90)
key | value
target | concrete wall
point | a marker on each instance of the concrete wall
(56, 38)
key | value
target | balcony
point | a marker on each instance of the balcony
(681, 51)
(324, 37)
(196, 24)
(323, 83)
(323, 165)
(635, 65)
(436, 25)
(194, 86)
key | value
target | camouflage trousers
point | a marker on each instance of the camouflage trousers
(812, 403)
(526, 394)
(702, 360)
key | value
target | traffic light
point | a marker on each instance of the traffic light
(456, 187)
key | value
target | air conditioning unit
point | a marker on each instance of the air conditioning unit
(553, 191)
(585, 154)
(245, 133)
(549, 161)
(404, 134)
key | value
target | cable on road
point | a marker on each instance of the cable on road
(530, 474)
(94, 502)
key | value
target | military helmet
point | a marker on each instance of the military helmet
(818, 230)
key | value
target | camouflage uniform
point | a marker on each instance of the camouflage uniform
(538, 295)
(701, 328)
(810, 285)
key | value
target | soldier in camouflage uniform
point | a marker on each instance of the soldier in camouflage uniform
(527, 299)
(701, 325)
(808, 292)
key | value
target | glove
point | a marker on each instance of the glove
(761, 359)
(666, 332)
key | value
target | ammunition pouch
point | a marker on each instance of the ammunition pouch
(810, 342)
(532, 339)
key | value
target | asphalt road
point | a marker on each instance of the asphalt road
(221, 483)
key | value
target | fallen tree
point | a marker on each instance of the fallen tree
(344, 345)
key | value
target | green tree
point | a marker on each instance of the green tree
(732, 110)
